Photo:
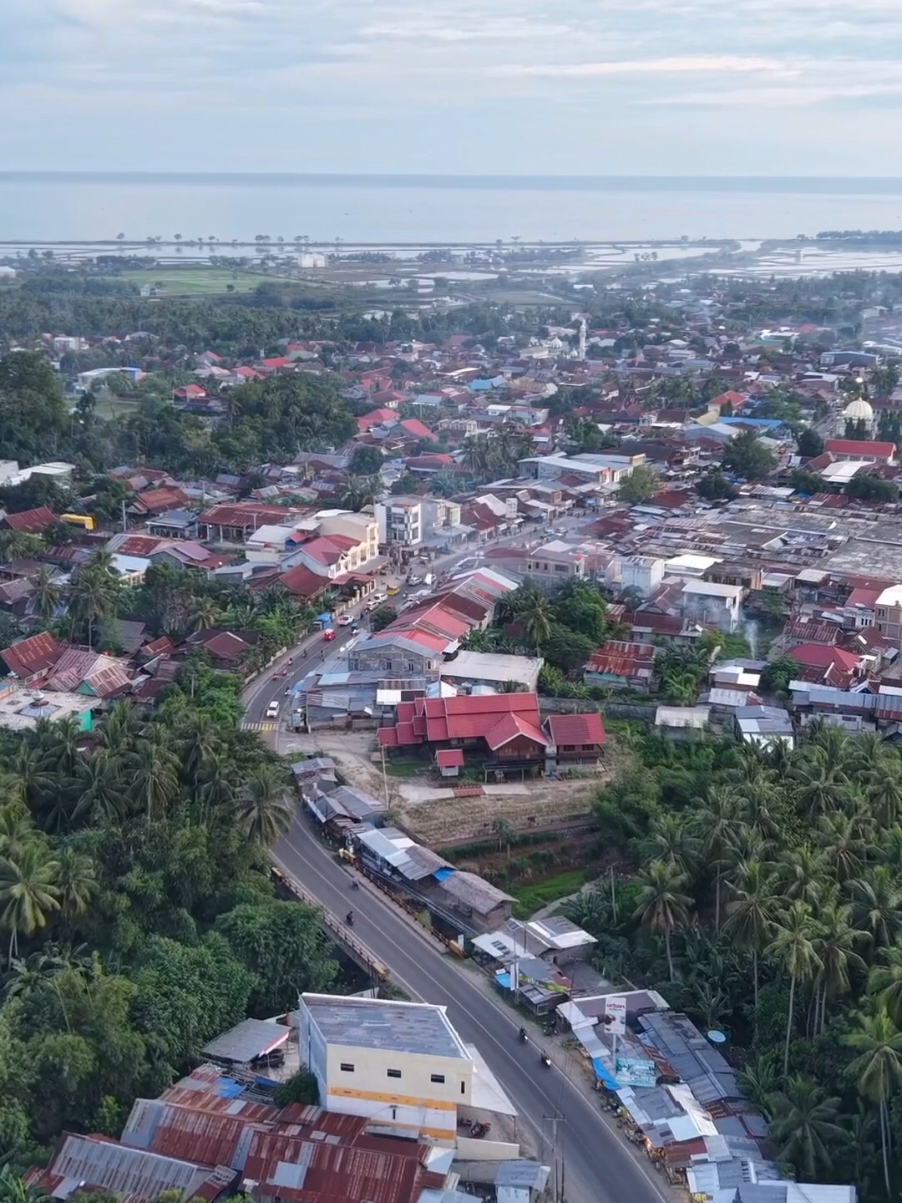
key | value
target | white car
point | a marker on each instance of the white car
(345, 620)
(272, 710)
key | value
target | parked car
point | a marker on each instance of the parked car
(328, 634)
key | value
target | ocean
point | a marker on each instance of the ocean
(69, 206)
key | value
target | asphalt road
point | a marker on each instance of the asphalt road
(598, 1166)
(264, 689)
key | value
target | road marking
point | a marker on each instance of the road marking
(503, 1048)
(250, 725)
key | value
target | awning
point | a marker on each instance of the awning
(488, 1094)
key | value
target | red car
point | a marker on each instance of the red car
(328, 635)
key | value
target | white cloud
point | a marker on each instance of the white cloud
(502, 87)
(719, 64)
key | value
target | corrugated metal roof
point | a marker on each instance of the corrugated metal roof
(90, 1161)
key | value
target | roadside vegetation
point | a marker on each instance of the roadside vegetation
(767, 903)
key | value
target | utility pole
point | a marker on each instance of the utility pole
(557, 1188)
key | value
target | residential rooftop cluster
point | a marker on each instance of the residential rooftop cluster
(393, 1080)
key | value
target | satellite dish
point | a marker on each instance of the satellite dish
(717, 1037)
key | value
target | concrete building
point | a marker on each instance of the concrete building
(401, 521)
(889, 614)
(555, 562)
(402, 1064)
(640, 573)
(362, 528)
(712, 604)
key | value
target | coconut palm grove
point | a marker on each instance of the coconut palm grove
(137, 914)
(761, 891)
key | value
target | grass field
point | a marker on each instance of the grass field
(197, 280)
(532, 897)
(112, 407)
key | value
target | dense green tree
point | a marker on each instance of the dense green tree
(747, 457)
(641, 485)
(283, 946)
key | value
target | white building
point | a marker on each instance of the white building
(642, 573)
(400, 1064)
(401, 521)
(712, 604)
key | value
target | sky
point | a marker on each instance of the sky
(615, 87)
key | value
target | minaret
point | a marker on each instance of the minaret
(581, 351)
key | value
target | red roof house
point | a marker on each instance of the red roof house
(34, 655)
(31, 522)
(506, 726)
(851, 449)
(418, 429)
(576, 738)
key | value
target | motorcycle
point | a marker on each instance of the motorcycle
(523, 1035)
(349, 918)
(355, 884)
(545, 1060)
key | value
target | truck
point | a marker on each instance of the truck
(429, 578)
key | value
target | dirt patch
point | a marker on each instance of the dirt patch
(543, 806)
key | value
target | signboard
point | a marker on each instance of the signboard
(615, 1015)
(635, 1073)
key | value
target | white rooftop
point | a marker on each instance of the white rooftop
(490, 666)
(891, 596)
(712, 589)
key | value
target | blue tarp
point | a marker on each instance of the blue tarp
(604, 1074)
(442, 874)
(504, 980)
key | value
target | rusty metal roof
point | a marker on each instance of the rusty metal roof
(85, 1162)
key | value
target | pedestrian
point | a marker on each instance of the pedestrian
(322, 655)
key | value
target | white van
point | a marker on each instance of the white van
(272, 710)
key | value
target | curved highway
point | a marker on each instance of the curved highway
(599, 1167)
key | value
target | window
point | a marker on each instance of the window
(347, 1067)
(394, 1073)
(463, 1088)
(437, 1078)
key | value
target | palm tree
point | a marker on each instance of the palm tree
(203, 614)
(803, 1126)
(750, 914)
(536, 618)
(885, 981)
(360, 491)
(104, 795)
(155, 766)
(673, 841)
(801, 875)
(883, 792)
(476, 454)
(662, 906)
(836, 946)
(262, 811)
(720, 819)
(28, 893)
(75, 881)
(877, 1069)
(793, 944)
(820, 788)
(843, 844)
(878, 905)
(46, 593)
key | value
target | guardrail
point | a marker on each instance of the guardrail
(339, 931)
